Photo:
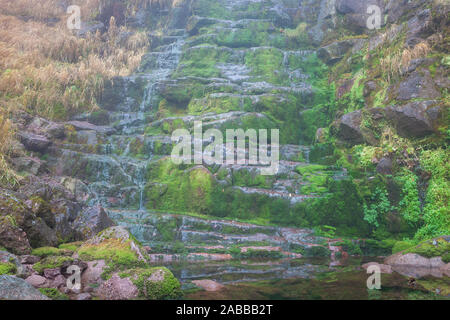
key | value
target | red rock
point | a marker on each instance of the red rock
(117, 288)
(37, 281)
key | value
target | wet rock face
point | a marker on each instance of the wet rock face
(92, 221)
(21, 216)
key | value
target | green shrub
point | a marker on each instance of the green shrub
(379, 205)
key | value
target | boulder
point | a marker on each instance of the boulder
(417, 85)
(412, 119)
(349, 128)
(384, 166)
(52, 273)
(58, 282)
(29, 259)
(37, 281)
(413, 259)
(208, 285)
(34, 142)
(49, 129)
(117, 288)
(12, 288)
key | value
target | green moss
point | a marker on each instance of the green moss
(155, 283)
(245, 178)
(51, 262)
(266, 65)
(216, 104)
(431, 248)
(436, 214)
(116, 253)
(54, 294)
(209, 8)
(71, 246)
(309, 169)
(51, 251)
(201, 62)
(7, 268)
(401, 245)
(177, 189)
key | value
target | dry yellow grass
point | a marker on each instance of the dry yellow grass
(49, 71)
(394, 64)
(7, 176)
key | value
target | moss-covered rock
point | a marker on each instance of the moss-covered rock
(52, 262)
(7, 268)
(12, 237)
(117, 247)
(155, 283)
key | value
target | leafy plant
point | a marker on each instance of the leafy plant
(379, 205)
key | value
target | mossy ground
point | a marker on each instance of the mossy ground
(51, 262)
(7, 268)
(63, 250)
(154, 283)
